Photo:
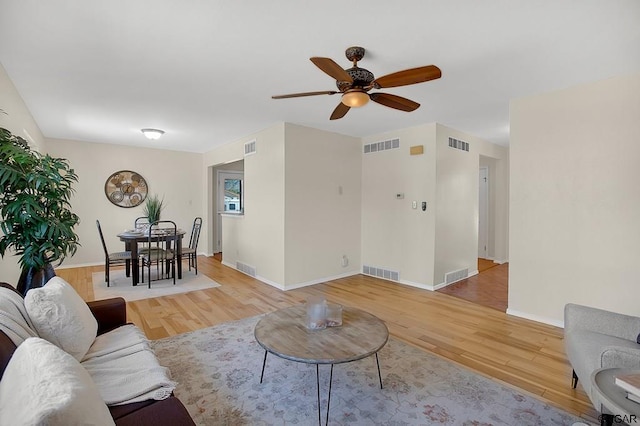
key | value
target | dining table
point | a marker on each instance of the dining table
(131, 240)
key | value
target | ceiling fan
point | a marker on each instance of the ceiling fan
(354, 84)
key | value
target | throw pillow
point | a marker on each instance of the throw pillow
(61, 316)
(43, 385)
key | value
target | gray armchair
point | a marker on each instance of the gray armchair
(595, 338)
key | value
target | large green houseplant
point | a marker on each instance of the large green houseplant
(37, 221)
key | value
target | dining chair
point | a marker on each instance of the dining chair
(160, 253)
(191, 252)
(115, 258)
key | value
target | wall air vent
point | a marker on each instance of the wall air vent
(381, 146)
(243, 267)
(386, 274)
(454, 276)
(250, 148)
(458, 144)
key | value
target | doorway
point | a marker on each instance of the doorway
(227, 197)
(483, 213)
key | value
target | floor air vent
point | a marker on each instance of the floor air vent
(381, 146)
(387, 274)
(458, 144)
(452, 277)
(243, 267)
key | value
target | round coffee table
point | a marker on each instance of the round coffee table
(613, 401)
(284, 334)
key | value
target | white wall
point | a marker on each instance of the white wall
(322, 199)
(17, 118)
(174, 175)
(457, 215)
(574, 234)
(456, 205)
(394, 235)
(257, 237)
(423, 246)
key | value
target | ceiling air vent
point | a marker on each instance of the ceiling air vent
(250, 148)
(458, 144)
(381, 146)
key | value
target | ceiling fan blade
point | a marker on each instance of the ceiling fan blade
(393, 101)
(340, 111)
(406, 77)
(298, 95)
(330, 67)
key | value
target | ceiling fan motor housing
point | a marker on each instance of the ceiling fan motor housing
(361, 78)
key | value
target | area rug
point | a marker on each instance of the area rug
(120, 286)
(218, 374)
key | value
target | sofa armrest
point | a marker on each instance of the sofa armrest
(110, 313)
(578, 317)
(620, 357)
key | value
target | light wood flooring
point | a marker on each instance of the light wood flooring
(489, 288)
(517, 352)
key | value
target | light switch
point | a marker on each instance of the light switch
(424, 206)
(414, 204)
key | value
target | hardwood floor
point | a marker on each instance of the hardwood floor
(519, 353)
(489, 288)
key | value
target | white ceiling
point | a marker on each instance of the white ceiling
(204, 70)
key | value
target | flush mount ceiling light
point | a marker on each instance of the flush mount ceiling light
(152, 134)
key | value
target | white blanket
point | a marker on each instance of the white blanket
(116, 343)
(125, 369)
(14, 320)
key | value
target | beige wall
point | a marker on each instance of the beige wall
(256, 238)
(322, 205)
(17, 118)
(174, 175)
(394, 235)
(574, 233)
(457, 214)
(424, 245)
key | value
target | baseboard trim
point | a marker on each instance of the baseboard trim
(443, 285)
(80, 265)
(321, 280)
(536, 318)
(294, 286)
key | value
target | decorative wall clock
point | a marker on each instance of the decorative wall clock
(126, 188)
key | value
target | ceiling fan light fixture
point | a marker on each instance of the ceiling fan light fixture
(152, 134)
(355, 98)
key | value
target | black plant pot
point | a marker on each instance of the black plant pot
(34, 278)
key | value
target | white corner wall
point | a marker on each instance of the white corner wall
(18, 120)
(322, 205)
(456, 206)
(396, 236)
(16, 117)
(574, 234)
(256, 238)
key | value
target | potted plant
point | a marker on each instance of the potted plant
(37, 221)
(153, 208)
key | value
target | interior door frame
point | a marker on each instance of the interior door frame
(221, 175)
(483, 212)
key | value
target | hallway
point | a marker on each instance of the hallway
(489, 288)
